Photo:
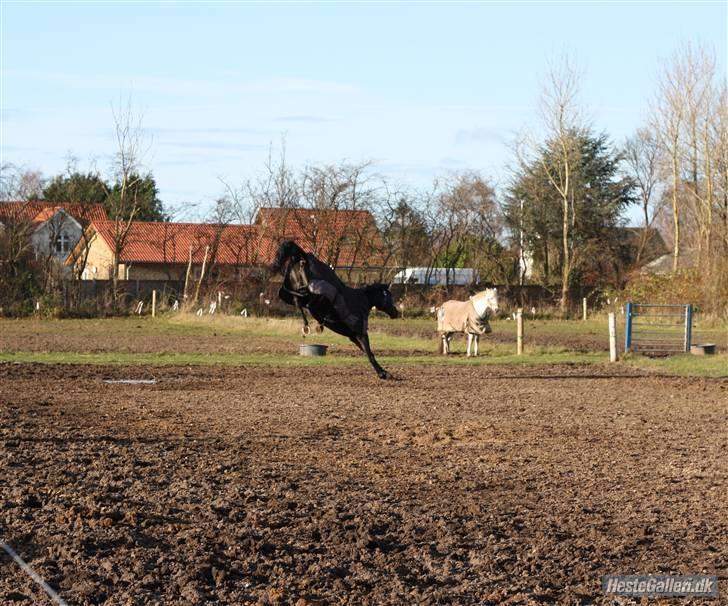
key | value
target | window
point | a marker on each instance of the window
(63, 244)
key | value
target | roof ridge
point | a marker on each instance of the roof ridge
(180, 223)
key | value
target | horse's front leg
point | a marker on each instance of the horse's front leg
(363, 342)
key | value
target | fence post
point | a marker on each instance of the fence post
(202, 274)
(628, 328)
(519, 331)
(688, 327)
(154, 303)
(612, 337)
(583, 306)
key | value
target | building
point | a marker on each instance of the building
(348, 240)
(52, 229)
(644, 245)
(164, 251)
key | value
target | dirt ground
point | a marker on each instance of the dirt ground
(264, 485)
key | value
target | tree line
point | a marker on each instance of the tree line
(561, 211)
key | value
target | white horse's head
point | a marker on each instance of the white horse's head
(485, 301)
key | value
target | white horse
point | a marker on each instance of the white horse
(469, 317)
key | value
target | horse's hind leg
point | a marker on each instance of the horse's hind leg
(476, 338)
(470, 342)
(355, 341)
(306, 330)
(363, 342)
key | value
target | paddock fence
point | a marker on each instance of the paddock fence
(658, 329)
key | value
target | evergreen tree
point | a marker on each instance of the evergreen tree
(141, 200)
(598, 198)
(77, 188)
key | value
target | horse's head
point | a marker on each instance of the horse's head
(485, 301)
(380, 297)
(287, 250)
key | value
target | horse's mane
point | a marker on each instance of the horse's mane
(286, 250)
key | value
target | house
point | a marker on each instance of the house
(644, 245)
(52, 229)
(163, 251)
(348, 240)
(622, 251)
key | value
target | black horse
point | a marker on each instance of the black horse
(310, 284)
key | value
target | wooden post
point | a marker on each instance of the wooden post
(202, 274)
(187, 278)
(583, 305)
(612, 338)
(519, 331)
(154, 303)
(219, 300)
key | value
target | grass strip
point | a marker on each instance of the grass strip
(680, 365)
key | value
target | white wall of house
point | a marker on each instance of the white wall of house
(57, 236)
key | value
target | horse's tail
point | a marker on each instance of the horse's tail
(286, 250)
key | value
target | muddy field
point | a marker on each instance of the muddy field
(472, 485)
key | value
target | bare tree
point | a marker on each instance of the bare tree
(669, 116)
(20, 184)
(327, 191)
(642, 159)
(721, 138)
(562, 122)
(696, 67)
(124, 203)
(17, 264)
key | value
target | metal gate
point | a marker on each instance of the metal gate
(658, 329)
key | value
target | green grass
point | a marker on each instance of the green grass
(684, 365)
(413, 337)
(192, 359)
(419, 328)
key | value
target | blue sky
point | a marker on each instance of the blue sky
(421, 90)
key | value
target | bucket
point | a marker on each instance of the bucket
(704, 349)
(312, 350)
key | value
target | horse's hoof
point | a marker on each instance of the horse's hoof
(385, 375)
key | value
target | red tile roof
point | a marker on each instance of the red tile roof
(149, 242)
(40, 212)
(339, 237)
(342, 238)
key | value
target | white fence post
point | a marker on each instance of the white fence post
(583, 306)
(154, 303)
(612, 337)
(519, 331)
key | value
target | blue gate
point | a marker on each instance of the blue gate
(658, 329)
